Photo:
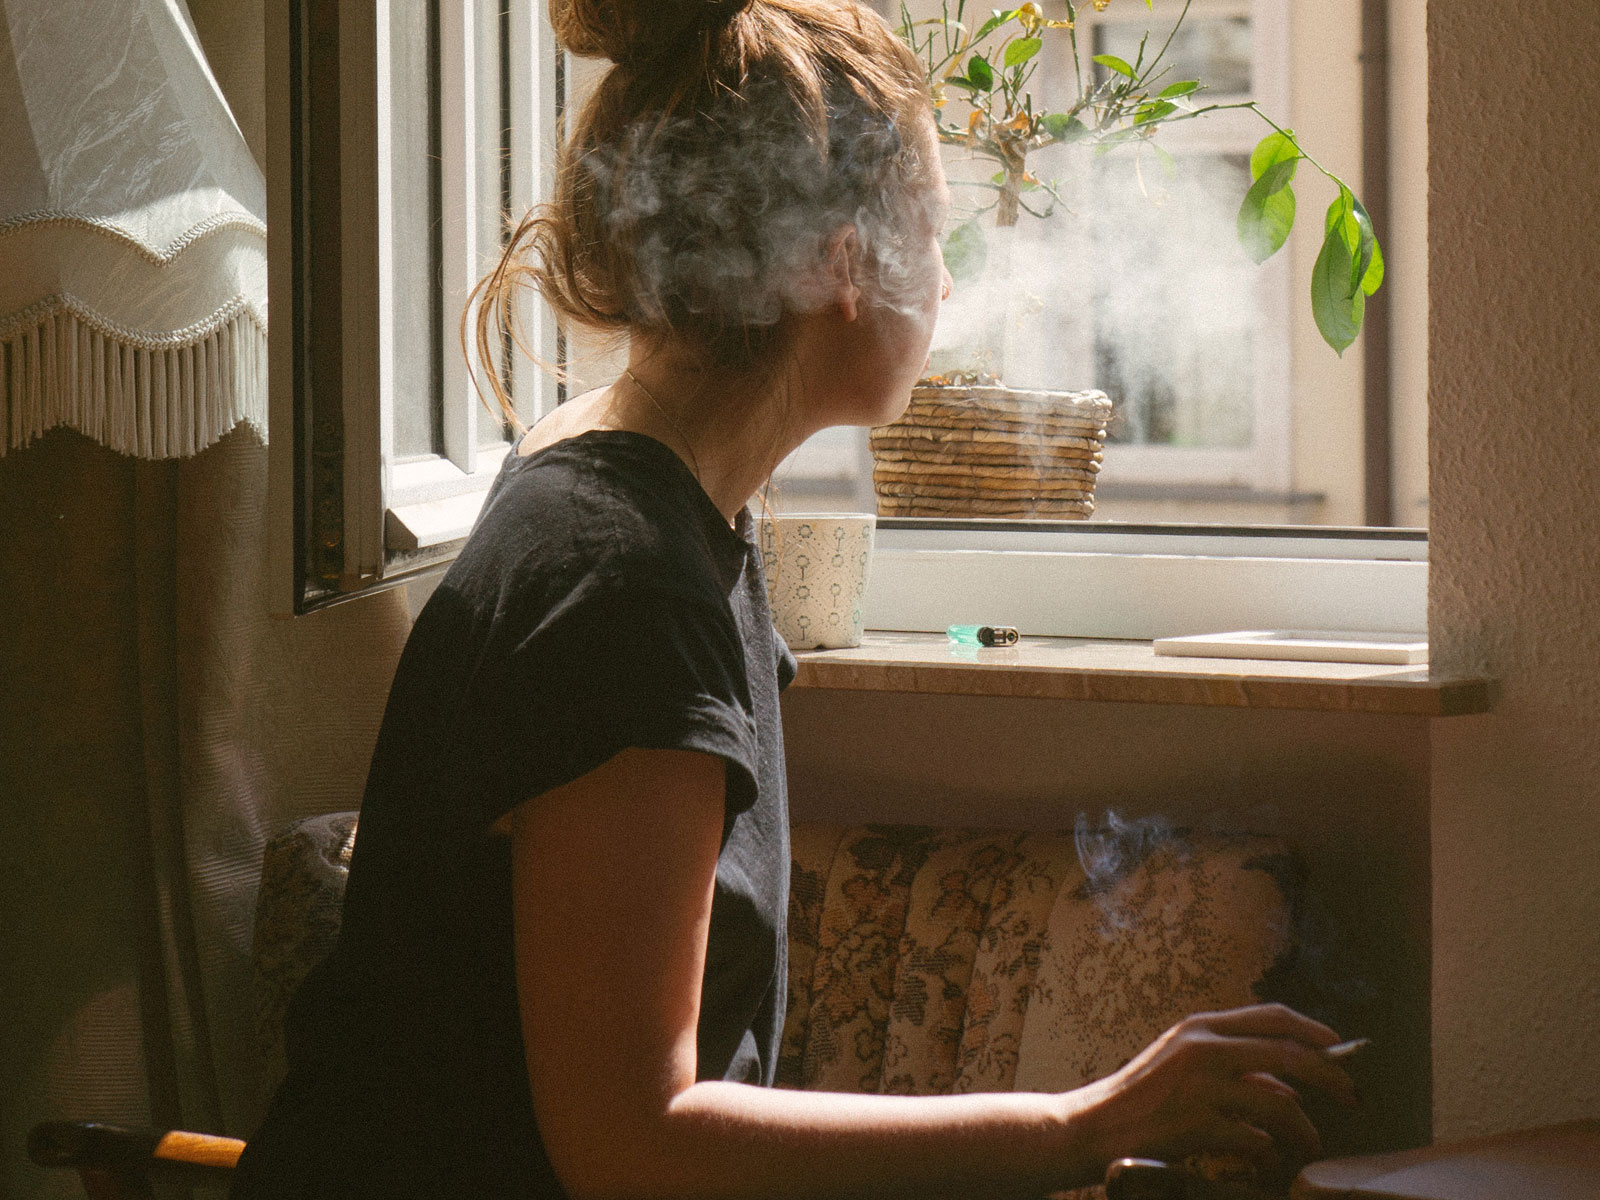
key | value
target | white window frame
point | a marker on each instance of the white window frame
(1087, 580)
(432, 502)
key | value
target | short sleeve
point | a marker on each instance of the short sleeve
(788, 667)
(624, 669)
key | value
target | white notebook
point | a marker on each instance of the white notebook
(1301, 644)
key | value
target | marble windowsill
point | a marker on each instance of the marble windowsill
(1123, 671)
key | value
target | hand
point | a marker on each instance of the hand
(1217, 1082)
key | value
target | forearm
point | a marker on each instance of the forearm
(726, 1140)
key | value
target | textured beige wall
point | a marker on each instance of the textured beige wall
(1514, 260)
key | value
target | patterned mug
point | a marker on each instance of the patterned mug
(816, 565)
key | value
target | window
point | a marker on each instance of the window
(1186, 334)
(412, 130)
(417, 128)
(1140, 289)
(470, 155)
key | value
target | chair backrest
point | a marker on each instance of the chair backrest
(926, 960)
(298, 909)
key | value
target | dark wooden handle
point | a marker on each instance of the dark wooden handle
(1145, 1179)
(196, 1158)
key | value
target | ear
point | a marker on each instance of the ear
(842, 252)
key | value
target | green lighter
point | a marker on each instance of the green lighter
(982, 635)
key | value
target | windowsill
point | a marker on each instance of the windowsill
(1130, 672)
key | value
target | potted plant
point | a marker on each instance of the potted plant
(971, 446)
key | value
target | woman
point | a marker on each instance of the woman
(561, 968)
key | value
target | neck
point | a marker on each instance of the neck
(730, 431)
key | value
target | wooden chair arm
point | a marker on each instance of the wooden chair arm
(1144, 1179)
(117, 1162)
(1149, 1179)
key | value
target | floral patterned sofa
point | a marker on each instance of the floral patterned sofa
(927, 960)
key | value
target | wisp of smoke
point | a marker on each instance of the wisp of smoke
(1110, 851)
(1136, 285)
(728, 212)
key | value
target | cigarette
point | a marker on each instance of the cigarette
(1346, 1049)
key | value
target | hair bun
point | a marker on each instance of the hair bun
(634, 30)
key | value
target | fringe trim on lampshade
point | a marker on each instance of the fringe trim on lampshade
(165, 396)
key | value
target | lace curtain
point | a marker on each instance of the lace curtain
(156, 724)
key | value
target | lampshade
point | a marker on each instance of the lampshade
(133, 276)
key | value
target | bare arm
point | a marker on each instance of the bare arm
(613, 878)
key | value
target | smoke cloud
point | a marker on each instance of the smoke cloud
(1135, 284)
(727, 214)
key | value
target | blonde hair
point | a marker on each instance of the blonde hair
(698, 187)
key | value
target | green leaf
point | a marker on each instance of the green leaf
(1369, 269)
(965, 250)
(1182, 88)
(1274, 148)
(1000, 17)
(1021, 50)
(1063, 128)
(1348, 217)
(1112, 63)
(1373, 279)
(1153, 111)
(1267, 214)
(1337, 303)
(1169, 165)
(980, 73)
(1340, 215)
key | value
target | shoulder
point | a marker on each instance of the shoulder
(592, 538)
(618, 509)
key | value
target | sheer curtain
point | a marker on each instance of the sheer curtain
(156, 726)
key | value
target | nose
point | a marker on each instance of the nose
(946, 283)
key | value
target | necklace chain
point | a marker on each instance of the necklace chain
(694, 458)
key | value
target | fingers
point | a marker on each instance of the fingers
(1275, 1039)
(1289, 1059)
(1272, 1107)
(1227, 1135)
(1268, 1020)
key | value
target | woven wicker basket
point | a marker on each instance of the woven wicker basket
(989, 451)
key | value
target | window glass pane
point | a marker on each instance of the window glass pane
(1174, 302)
(831, 472)
(492, 106)
(414, 147)
(1216, 50)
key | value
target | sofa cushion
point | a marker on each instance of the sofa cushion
(983, 960)
(1193, 927)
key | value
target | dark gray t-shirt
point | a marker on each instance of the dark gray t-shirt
(601, 602)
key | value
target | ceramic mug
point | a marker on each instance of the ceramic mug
(816, 565)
